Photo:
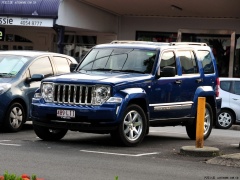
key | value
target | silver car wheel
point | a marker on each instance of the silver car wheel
(132, 125)
(16, 117)
(224, 119)
(207, 121)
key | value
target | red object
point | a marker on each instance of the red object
(1, 177)
(25, 177)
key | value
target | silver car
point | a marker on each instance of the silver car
(230, 110)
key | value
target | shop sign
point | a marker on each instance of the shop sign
(2, 34)
(26, 21)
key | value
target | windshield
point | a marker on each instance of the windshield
(115, 59)
(10, 65)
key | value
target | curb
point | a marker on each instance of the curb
(202, 152)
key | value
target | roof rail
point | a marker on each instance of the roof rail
(139, 42)
(187, 43)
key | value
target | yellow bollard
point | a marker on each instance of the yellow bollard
(200, 122)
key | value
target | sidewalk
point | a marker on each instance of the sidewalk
(228, 159)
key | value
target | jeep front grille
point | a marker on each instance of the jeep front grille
(73, 94)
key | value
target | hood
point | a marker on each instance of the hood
(99, 77)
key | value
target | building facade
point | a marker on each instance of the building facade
(72, 27)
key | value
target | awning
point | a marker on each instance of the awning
(30, 8)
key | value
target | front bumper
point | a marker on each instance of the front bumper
(87, 118)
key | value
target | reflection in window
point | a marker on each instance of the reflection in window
(61, 64)
(11, 65)
(41, 66)
(206, 60)
(133, 60)
(188, 62)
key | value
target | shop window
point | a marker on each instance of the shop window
(77, 46)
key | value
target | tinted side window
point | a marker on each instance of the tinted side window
(188, 62)
(236, 87)
(207, 63)
(41, 66)
(61, 64)
(225, 85)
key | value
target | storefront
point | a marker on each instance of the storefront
(73, 27)
(44, 25)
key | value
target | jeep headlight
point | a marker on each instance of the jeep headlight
(101, 94)
(4, 87)
(47, 92)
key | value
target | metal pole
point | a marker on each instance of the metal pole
(200, 122)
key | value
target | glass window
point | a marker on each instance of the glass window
(225, 85)
(236, 87)
(168, 59)
(188, 62)
(131, 60)
(62, 64)
(41, 66)
(10, 65)
(207, 63)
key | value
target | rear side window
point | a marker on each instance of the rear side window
(41, 66)
(62, 64)
(188, 62)
(236, 87)
(225, 85)
(207, 63)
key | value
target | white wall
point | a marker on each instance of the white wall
(76, 14)
(129, 25)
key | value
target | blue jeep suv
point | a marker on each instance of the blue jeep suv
(125, 87)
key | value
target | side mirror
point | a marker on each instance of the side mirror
(167, 71)
(73, 67)
(36, 77)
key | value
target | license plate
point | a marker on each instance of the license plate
(65, 113)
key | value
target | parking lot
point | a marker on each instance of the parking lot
(93, 156)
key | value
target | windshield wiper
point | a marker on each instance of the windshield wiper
(101, 69)
(133, 71)
(6, 75)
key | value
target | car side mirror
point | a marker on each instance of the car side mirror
(73, 67)
(36, 77)
(167, 71)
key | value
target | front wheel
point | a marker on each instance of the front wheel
(133, 126)
(15, 117)
(225, 119)
(208, 124)
(48, 134)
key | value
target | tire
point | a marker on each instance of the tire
(225, 119)
(15, 117)
(208, 124)
(48, 134)
(132, 128)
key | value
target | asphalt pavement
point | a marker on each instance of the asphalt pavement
(225, 160)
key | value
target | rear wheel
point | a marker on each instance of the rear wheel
(49, 134)
(208, 124)
(225, 119)
(15, 117)
(133, 126)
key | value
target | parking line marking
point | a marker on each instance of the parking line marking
(119, 154)
(7, 144)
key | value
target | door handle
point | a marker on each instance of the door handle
(199, 80)
(178, 81)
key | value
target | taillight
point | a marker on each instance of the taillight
(217, 87)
